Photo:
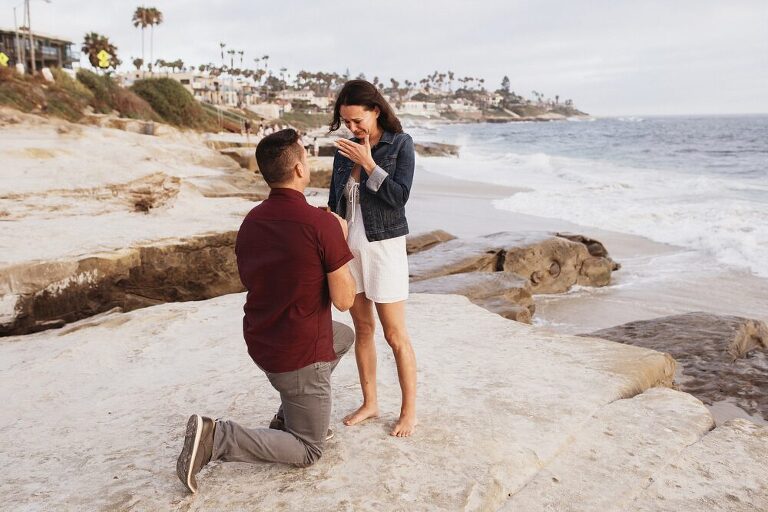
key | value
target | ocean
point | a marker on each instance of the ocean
(696, 182)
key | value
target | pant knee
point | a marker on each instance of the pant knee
(312, 455)
(343, 338)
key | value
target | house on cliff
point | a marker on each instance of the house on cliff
(49, 51)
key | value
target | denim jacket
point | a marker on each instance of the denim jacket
(384, 193)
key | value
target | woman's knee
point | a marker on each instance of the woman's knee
(364, 329)
(397, 338)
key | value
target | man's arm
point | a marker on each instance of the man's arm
(342, 287)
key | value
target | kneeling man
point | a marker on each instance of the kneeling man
(292, 259)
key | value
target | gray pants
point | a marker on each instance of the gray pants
(306, 409)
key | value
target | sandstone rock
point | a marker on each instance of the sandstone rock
(498, 402)
(454, 257)
(149, 192)
(245, 158)
(615, 453)
(245, 184)
(39, 296)
(552, 264)
(725, 470)
(503, 293)
(424, 241)
(722, 357)
(595, 247)
(436, 149)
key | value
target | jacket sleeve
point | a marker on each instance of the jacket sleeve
(332, 199)
(395, 187)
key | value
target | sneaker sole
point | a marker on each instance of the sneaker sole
(188, 453)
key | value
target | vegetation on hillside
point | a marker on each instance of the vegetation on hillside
(174, 103)
(304, 121)
(108, 96)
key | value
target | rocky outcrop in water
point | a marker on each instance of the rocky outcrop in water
(721, 357)
(552, 264)
(424, 241)
(436, 149)
(501, 271)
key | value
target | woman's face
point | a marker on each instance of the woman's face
(360, 121)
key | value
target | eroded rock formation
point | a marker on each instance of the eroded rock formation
(721, 357)
(436, 149)
(503, 293)
(424, 241)
(39, 296)
(551, 263)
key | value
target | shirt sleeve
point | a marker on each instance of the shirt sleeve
(334, 251)
(394, 186)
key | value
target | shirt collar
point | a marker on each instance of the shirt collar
(287, 193)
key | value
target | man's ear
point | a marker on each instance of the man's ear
(300, 170)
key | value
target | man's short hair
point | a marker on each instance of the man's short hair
(277, 154)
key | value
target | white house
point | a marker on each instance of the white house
(307, 95)
(419, 108)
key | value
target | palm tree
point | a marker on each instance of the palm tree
(266, 60)
(94, 43)
(231, 54)
(222, 45)
(155, 18)
(241, 52)
(138, 63)
(141, 19)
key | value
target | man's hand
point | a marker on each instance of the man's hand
(358, 153)
(343, 224)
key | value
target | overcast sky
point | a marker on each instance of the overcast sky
(612, 57)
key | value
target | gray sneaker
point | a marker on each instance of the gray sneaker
(278, 423)
(197, 450)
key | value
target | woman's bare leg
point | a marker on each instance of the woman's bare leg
(392, 318)
(365, 355)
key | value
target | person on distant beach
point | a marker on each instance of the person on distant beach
(315, 147)
(247, 129)
(370, 183)
(293, 260)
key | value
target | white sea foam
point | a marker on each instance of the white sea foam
(717, 215)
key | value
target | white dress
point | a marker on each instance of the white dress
(380, 268)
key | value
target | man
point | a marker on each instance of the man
(292, 259)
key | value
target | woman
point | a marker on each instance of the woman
(371, 180)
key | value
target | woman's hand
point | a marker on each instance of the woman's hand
(358, 153)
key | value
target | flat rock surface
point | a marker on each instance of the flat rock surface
(616, 452)
(721, 357)
(725, 471)
(503, 293)
(110, 395)
(84, 189)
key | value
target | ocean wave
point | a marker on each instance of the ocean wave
(721, 216)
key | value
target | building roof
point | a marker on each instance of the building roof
(37, 35)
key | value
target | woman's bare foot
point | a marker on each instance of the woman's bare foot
(363, 413)
(405, 426)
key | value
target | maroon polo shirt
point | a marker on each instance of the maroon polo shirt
(285, 248)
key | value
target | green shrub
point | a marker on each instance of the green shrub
(173, 103)
(107, 96)
(101, 87)
(21, 92)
